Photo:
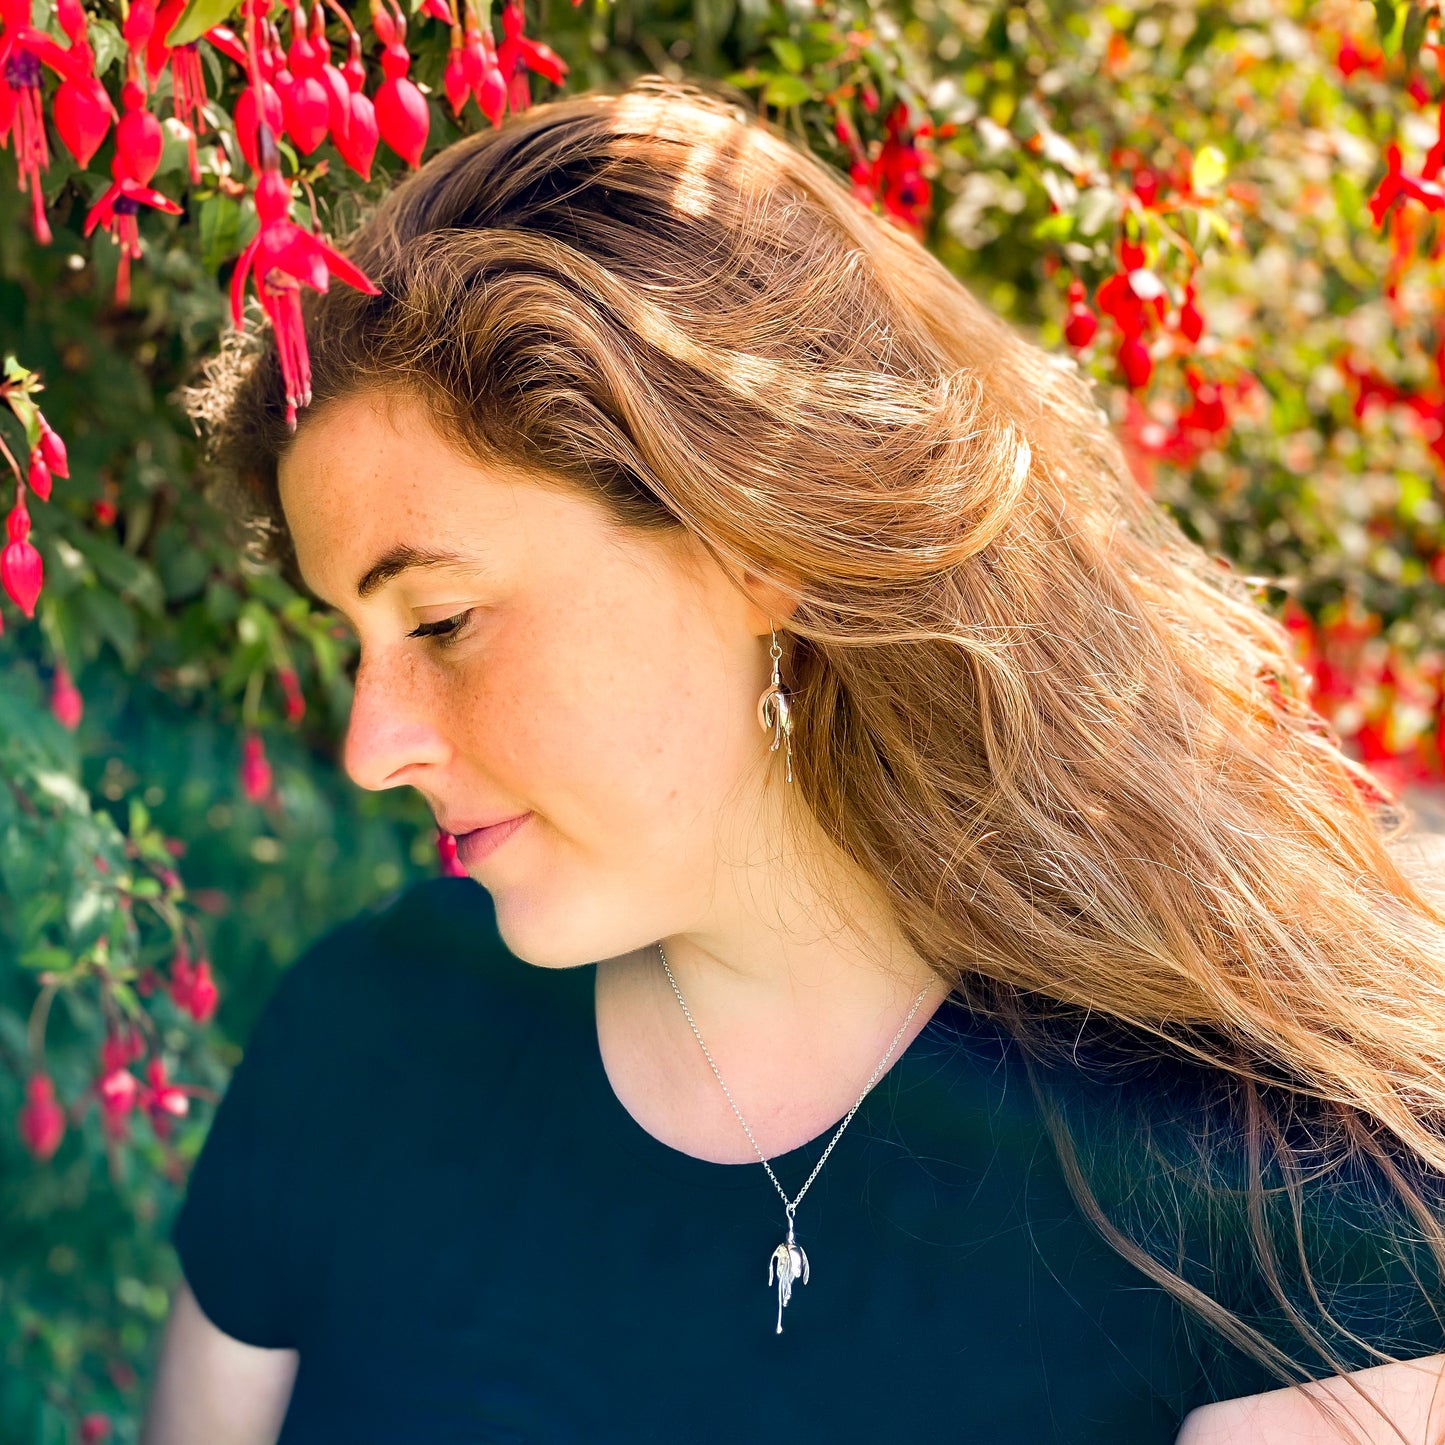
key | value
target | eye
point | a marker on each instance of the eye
(446, 631)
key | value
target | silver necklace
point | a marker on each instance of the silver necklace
(788, 1259)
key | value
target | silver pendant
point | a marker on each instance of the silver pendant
(790, 1262)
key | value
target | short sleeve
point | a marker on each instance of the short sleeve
(239, 1228)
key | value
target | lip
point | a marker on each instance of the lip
(481, 843)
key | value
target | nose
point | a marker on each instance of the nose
(395, 726)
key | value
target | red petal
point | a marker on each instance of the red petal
(351, 274)
(238, 279)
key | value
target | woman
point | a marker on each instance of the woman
(1005, 1019)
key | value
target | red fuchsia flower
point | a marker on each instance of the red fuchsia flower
(104, 511)
(256, 103)
(188, 79)
(139, 142)
(37, 474)
(489, 85)
(21, 569)
(1397, 183)
(338, 92)
(41, 1119)
(295, 702)
(66, 704)
(95, 1428)
(1146, 186)
(897, 175)
(1135, 363)
(401, 109)
(285, 257)
(204, 994)
(81, 107)
(451, 865)
(117, 1090)
(518, 50)
(191, 986)
(23, 50)
(162, 1100)
(255, 769)
(1081, 323)
(52, 448)
(1351, 57)
(1191, 319)
(307, 102)
(356, 136)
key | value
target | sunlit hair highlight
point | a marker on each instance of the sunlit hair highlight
(1072, 746)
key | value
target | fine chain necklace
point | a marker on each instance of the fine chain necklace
(788, 1258)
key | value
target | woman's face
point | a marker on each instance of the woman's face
(603, 681)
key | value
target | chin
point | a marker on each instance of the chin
(558, 937)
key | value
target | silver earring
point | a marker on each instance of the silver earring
(773, 710)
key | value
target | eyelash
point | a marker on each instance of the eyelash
(445, 631)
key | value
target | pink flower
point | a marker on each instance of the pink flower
(285, 257)
(255, 775)
(65, 701)
(21, 570)
(42, 1120)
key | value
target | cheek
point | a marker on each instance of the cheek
(645, 724)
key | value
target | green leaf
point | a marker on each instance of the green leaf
(127, 575)
(112, 619)
(197, 18)
(1414, 33)
(1058, 227)
(1209, 169)
(219, 220)
(785, 90)
(47, 956)
(789, 53)
(140, 818)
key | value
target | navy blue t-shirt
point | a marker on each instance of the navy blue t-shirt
(421, 1179)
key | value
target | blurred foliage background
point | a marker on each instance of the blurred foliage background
(1176, 194)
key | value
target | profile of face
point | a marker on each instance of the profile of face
(602, 680)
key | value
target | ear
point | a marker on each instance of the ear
(775, 600)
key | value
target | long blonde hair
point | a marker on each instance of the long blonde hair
(1073, 746)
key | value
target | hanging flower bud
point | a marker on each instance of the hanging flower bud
(66, 704)
(37, 476)
(306, 103)
(402, 116)
(42, 1120)
(454, 78)
(52, 448)
(491, 91)
(1191, 321)
(1081, 323)
(255, 769)
(251, 108)
(21, 570)
(204, 995)
(139, 139)
(83, 112)
(338, 91)
(1135, 362)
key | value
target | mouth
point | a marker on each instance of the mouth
(481, 843)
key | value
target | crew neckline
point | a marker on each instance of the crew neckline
(794, 1162)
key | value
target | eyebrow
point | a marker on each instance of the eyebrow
(402, 558)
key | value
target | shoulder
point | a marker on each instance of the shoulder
(1406, 1390)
